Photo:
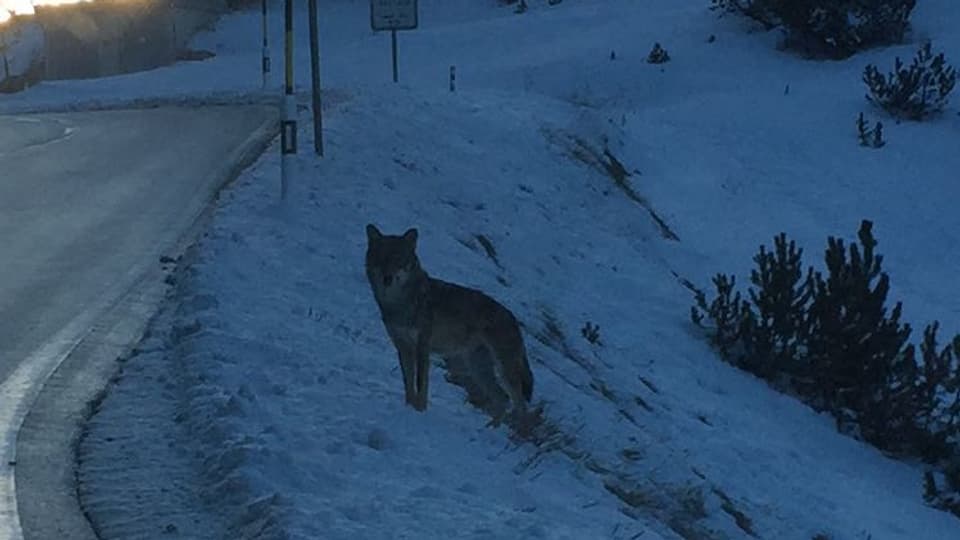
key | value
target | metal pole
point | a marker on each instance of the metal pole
(453, 78)
(315, 72)
(288, 123)
(265, 52)
(393, 40)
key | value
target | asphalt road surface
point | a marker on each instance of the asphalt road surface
(88, 203)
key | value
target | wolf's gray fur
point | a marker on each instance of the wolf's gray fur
(478, 337)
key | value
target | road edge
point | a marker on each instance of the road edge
(47, 499)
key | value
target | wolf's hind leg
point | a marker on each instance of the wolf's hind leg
(483, 387)
(507, 366)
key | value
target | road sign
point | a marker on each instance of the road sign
(393, 14)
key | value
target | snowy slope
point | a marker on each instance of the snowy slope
(276, 386)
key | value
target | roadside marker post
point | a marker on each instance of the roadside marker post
(393, 47)
(288, 122)
(393, 15)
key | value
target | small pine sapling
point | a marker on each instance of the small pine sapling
(870, 137)
(591, 332)
(781, 294)
(658, 55)
(863, 132)
(730, 315)
(938, 395)
(878, 141)
(915, 92)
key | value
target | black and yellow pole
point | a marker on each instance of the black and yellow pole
(288, 46)
(288, 122)
(265, 52)
(315, 78)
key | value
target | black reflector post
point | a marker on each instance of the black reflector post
(288, 122)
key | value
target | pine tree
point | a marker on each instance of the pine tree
(855, 346)
(913, 92)
(780, 295)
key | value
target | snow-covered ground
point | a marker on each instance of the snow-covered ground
(267, 402)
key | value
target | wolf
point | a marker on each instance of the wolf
(478, 338)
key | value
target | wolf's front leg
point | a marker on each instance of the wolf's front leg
(407, 356)
(422, 370)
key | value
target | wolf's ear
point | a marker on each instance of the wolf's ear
(410, 237)
(373, 233)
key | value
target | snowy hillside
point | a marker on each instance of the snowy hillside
(269, 377)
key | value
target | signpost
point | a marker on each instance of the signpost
(393, 15)
(315, 77)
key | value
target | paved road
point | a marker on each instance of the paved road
(88, 203)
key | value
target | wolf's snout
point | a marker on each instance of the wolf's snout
(387, 280)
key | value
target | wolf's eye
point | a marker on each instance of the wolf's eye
(387, 280)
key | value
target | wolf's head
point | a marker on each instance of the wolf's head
(391, 261)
